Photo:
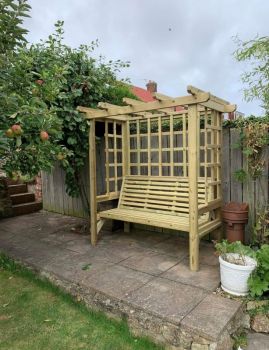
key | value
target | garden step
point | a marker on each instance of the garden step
(26, 208)
(13, 182)
(22, 198)
(18, 188)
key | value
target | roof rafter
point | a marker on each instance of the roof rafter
(144, 106)
(133, 102)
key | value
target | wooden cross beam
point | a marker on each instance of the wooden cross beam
(144, 106)
(213, 103)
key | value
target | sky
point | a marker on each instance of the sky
(173, 42)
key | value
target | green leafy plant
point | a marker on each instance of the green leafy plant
(259, 280)
(12, 14)
(240, 339)
(41, 86)
(261, 227)
(240, 175)
(256, 52)
(224, 247)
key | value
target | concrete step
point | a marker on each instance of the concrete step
(18, 188)
(26, 208)
(21, 198)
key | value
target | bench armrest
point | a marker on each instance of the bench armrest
(210, 206)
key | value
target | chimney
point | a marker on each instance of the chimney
(151, 86)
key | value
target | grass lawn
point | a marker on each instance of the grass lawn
(35, 315)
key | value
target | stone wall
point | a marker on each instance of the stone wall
(5, 201)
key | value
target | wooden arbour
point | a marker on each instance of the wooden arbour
(163, 163)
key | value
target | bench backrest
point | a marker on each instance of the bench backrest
(166, 194)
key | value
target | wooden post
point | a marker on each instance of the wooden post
(126, 162)
(193, 143)
(92, 174)
(217, 140)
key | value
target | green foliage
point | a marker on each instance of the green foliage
(240, 339)
(254, 139)
(12, 35)
(240, 175)
(255, 52)
(261, 227)
(260, 309)
(259, 280)
(224, 247)
(41, 86)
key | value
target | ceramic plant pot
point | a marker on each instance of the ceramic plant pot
(234, 277)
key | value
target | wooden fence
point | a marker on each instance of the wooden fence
(255, 193)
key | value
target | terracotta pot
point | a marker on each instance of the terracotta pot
(235, 216)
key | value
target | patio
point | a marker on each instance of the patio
(142, 276)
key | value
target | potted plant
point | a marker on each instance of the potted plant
(237, 262)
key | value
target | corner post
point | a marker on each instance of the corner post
(194, 164)
(126, 161)
(92, 175)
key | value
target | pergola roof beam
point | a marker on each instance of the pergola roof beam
(133, 102)
(145, 106)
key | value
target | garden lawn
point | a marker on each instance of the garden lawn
(35, 315)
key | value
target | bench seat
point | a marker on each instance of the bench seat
(148, 218)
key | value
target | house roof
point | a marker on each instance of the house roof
(146, 96)
(142, 94)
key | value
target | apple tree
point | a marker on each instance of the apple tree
(41, 86)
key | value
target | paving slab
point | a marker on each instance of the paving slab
(211, 316)
(207, 277)
(207, 254)
(39, 222)
(150, 262)
(173, 246)
(117, 281)
(143, 239)
(63, 236)
(77, 267)
(258, 341)
(168, 299)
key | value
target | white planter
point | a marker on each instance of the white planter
(234, 277)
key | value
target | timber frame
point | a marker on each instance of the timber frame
(163, 163)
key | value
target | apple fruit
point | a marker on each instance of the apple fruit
(9, 133)
(44, 135)
(60, 156)
(17, 130)
(39, 81)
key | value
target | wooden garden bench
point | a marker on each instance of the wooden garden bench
(161, 202)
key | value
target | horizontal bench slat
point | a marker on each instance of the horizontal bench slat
(148, 206)
(173, 197)
(201, 194)
(152, 219)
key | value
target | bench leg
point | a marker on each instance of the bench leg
(127, 228)
(194, 251)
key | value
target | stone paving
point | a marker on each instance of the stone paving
(258, 341)
(142, 276)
